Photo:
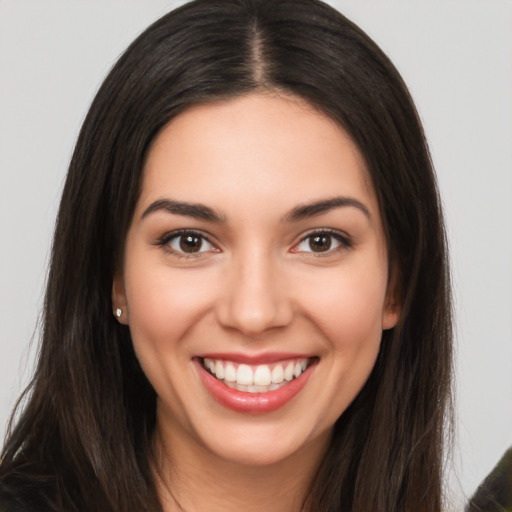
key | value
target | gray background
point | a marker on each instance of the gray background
(456, 57)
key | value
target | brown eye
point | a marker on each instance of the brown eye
(323, 242)
(190, 243)
(184, 243)
(320, 243)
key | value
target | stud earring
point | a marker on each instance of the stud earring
(119, 312)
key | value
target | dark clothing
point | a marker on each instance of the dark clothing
(495, 493)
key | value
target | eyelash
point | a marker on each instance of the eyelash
(343, 239)
(165, 240)
(344, 242)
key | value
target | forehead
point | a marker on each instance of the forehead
(263, 148)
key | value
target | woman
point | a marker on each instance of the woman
(248, 301)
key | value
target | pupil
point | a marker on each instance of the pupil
(190, 243)
(319, 243)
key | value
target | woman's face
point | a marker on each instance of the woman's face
(255, 278)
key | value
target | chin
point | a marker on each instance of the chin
(259, 445)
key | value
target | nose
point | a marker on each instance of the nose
(256, 297)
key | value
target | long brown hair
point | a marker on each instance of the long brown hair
(82, 441)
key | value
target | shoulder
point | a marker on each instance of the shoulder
(495, 492)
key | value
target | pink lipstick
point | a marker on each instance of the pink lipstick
(254, 385)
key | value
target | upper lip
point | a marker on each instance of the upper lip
(255, 359)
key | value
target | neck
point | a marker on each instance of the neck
(191, 479)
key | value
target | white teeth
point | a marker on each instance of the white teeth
(288, 373)
(219, 370)
(262, 375)
(210, 364)
(278, 374)
(230, 373)
(258, 378)
(244, 375)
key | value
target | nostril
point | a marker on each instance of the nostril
(252, 320)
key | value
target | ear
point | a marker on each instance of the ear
(393, 303)
(119, 303)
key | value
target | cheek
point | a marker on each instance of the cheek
(348, 305)
(164, 304)
(348, 313)
(353, 327)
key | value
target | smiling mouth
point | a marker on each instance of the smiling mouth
(260, 378)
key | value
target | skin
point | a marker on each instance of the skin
(256, 286)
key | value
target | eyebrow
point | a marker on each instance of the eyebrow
(318, 207)
(195, 210)
(203, 212)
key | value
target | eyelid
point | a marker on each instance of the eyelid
(344, 240)
(164, 242)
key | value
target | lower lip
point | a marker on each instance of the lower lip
(253, 403)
